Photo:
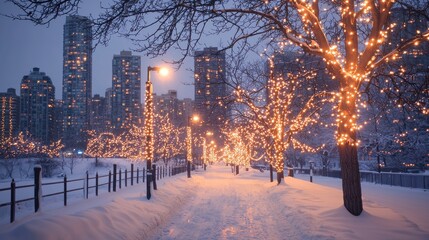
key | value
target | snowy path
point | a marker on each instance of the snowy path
(233, 207)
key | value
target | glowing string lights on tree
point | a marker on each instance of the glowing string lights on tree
(149, 123)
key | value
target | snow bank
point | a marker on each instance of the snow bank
(218, 205)
(126, 214)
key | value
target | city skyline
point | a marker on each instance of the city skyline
(26, 46)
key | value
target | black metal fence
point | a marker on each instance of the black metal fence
(396, 179)
(109, 182)
(410, 180)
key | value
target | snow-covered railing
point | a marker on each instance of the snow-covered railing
(110, 181)
(410, 180)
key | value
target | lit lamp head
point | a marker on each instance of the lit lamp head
(195, 118)
(163, 71)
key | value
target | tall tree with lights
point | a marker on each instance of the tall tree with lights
(347, 34)
(240, 143)
(283, 114)
(103, 145)
(168, 139)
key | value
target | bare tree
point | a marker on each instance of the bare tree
(348, 35)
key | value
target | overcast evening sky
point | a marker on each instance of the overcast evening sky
(24, 45)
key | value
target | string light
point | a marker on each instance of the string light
(23, 146)
(275, 121)
(168, 142)
(149, 123)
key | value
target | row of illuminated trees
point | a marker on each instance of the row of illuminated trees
(130, 143)
(23, 146)
(271, 114)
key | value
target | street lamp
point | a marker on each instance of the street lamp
(191, 119)
(149, 126)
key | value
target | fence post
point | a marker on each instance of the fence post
(120, 178)
(154, 176)
(87, 185)
(12, 200)
(114, 177)
(400, 180)
(137, 176)
(65, 190)
(96, 184)
(132, 174)
(37, 187)
(424, 182)
(110, 180)
(126, 177)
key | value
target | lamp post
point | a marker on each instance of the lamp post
(191, 119)
(149, 126)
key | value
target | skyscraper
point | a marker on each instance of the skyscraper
(77, 80)
(169, 104)
(37, 106)
(108, 102)
(99, 121)
(405, 24)
(9, 114)
(210, 88)
(292, 64)
(58, 119)
(126, 90)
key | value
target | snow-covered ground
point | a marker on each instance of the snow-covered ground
(218, 205)
(81, 166)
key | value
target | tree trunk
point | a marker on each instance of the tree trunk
(351, 179)
(280, 175)
(347, 147)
